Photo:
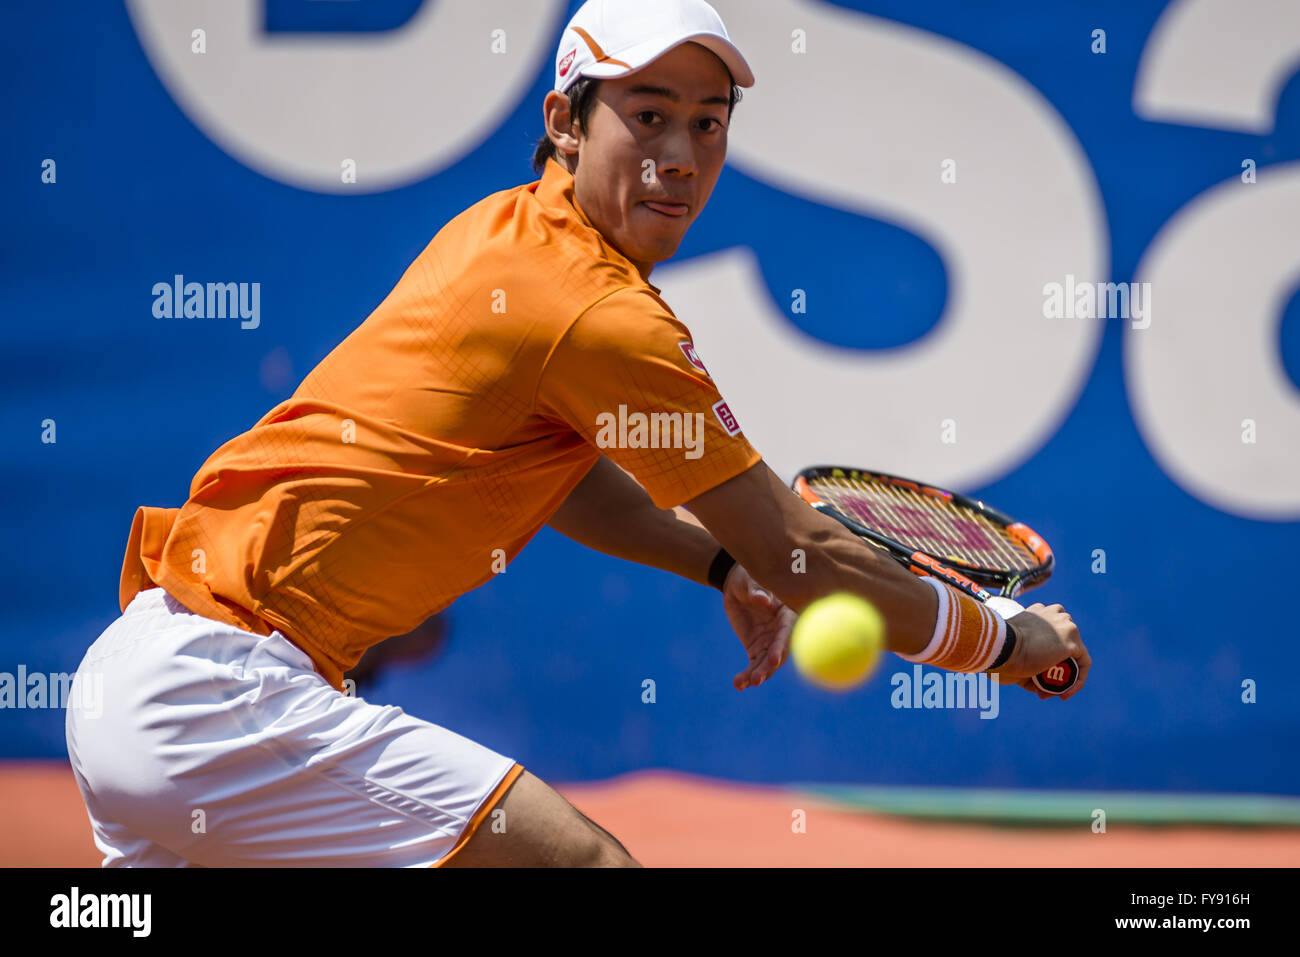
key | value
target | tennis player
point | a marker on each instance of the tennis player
(523, 372)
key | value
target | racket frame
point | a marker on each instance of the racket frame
(973, 580)
(977, 581)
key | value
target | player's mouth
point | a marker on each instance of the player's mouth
(673, 210)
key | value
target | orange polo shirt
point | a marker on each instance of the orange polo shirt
(426, 450)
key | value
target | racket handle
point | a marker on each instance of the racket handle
(1055, 680)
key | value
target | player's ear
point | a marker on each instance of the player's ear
(556, 111)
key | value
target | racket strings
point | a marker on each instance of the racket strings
(926, 523)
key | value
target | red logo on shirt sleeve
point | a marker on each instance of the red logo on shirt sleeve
(693, 357)
(723, 412)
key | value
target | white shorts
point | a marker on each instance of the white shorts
(197, 743)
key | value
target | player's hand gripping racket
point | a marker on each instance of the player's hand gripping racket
(970, 546)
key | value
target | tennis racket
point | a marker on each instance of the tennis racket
(932, 531)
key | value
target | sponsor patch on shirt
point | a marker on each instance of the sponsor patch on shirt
(693, 357)
(723, 412)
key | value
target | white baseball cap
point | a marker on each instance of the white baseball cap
(611, 38)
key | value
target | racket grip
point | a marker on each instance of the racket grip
(1055, 680)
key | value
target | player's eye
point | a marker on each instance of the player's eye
(651, 114)
(717, 124)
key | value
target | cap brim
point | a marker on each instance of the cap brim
(642, 55)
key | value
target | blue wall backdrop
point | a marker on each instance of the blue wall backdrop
(546, 663)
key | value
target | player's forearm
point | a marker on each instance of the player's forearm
(609, 512)
(801, 555)
(845, 564)
(660, 539)
(812, 562)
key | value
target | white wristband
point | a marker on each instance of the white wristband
(968, 636)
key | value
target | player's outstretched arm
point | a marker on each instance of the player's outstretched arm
(801, 555)
(610, 512)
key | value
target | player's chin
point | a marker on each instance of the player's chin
(656, 248)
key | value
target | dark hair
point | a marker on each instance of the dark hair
(582, 99)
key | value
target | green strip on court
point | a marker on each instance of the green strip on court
(1029, 808)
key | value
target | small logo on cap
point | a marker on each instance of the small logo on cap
(567, 61)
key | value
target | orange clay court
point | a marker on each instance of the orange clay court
(668, 819)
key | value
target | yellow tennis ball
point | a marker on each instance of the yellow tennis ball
(837, 641)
